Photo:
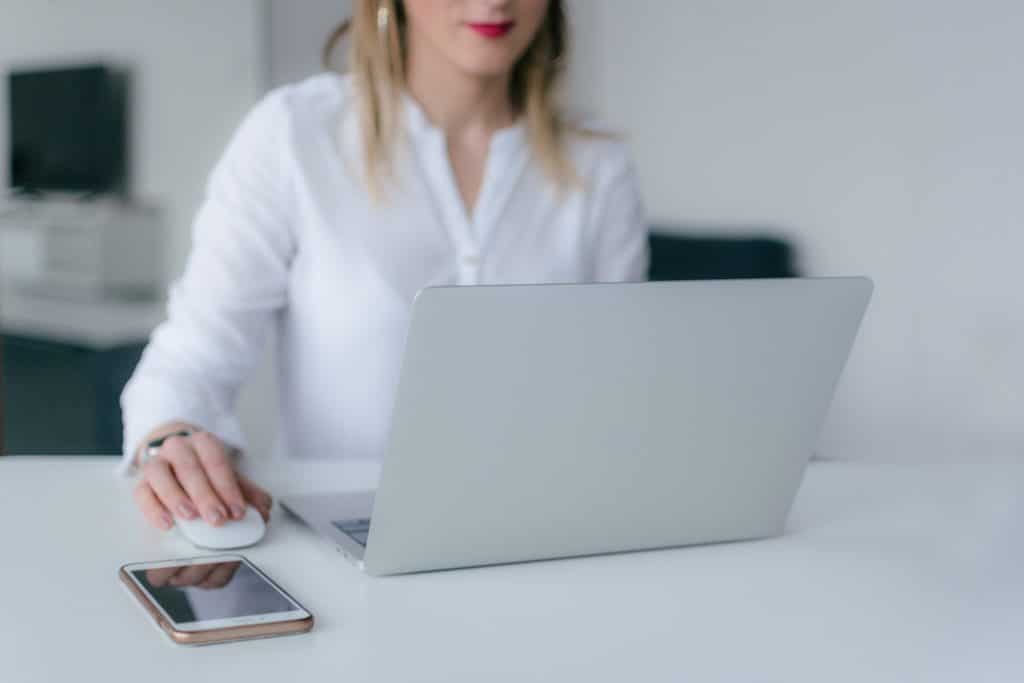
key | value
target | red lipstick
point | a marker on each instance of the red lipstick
(493, 30)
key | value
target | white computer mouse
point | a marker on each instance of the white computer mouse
(232, 534)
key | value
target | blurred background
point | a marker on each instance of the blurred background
(794, 137)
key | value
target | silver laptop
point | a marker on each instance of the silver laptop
(544, 421)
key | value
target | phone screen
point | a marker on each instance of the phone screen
(216, 590)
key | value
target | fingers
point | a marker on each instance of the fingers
(159, 577)
(157, 473)
(193, 575)
(220, 471)
(173, 578)
(220, 575)
(195, 476)
(151, 506)
(192, 477)
(257, 496)
(209, 575)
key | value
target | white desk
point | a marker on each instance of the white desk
(888, 573)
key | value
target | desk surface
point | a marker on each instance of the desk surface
(887, 573)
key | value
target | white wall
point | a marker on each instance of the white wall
(886, 138)
(296, 36)
(197, 67)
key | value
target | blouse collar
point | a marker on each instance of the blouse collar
(421, 129)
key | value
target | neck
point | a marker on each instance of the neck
(455, 101)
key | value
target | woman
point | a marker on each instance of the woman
(442, 158)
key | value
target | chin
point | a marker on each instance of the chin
(487, 65)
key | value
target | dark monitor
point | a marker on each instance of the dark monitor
(68, 130)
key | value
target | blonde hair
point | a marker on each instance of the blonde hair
(377, 62)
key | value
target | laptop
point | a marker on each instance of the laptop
(547, 421)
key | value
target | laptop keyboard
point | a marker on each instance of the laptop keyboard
(356, 529)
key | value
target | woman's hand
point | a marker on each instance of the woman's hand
(195, 476)
(214, 575)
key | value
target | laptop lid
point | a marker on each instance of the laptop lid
(544, 421)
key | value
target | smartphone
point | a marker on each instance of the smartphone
(214, 599)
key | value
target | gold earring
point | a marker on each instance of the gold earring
(383, 16)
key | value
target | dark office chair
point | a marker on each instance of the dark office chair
(681, 253)
(62, 398)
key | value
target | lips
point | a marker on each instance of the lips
(492, 30)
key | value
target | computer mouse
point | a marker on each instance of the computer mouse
(232, 534)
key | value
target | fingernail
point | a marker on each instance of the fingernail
(216, 515)
(167, 521)
(237, 511)
(187, 511)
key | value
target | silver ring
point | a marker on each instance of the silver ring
(153, 448)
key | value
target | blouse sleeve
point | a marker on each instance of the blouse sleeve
(220, 311)
(620, 244)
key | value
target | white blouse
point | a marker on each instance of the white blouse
(288, 242)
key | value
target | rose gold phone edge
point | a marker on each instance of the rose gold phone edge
(218, 635)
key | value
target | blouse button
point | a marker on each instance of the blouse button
(471, 260)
